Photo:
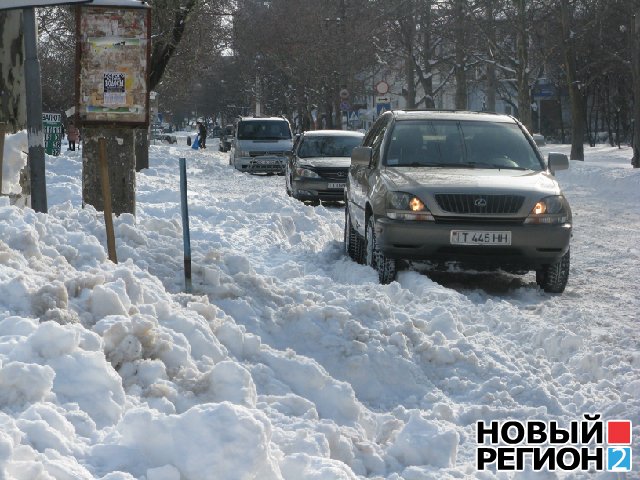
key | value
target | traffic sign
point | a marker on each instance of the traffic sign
(345, 106)
(382, 87)
(344, 94)
(382, 107)
(353, 116)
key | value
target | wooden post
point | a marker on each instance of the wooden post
(2, 130)
(106, 192)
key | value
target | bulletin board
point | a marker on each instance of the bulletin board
(112, 65)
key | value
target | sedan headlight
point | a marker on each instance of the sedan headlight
(306, 173)
(405, 206)
(552, 210)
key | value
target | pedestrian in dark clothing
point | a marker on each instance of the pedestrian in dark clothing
(202, 134)
(73, 134)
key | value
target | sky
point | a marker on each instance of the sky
(288, 360)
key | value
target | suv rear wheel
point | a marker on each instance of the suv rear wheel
(553, 278)
(386, 267)
(353, 244)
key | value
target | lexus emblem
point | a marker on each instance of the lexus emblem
(480, 202)
(341, 174)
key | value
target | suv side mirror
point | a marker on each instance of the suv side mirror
(361, 156)
(558, 161)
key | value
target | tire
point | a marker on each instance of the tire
(353, 244)
(553, 278)
(386, 267)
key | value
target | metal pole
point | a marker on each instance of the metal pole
(106, 194)
(185, 225)
(34, 112)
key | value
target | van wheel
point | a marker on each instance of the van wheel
(386, 267)
(553, 278)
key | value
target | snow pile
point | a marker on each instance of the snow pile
(289, 361)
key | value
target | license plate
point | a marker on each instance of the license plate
(267, 162)
(471, 237)
(336, 185)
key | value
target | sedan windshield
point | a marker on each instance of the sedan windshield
(264, 130)
(461, 144)
(338, 146)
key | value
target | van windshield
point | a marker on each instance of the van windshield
(264, 130)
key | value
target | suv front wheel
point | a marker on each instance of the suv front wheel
(386, 267)
(553, 278)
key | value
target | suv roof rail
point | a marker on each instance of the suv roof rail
(446, 110)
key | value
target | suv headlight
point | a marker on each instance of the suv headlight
(552, 210)
(406, 206)
(305, 172)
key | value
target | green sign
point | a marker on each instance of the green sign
(52, 127)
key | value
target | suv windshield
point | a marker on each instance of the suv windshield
(264, 130)
(463, 144)
(327, 146)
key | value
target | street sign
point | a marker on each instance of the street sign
(345, 106)
(344, 94)
(382, 87)
(382, 107)
(353, 116)
(11, 4)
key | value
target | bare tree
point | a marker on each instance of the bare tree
(12, 85)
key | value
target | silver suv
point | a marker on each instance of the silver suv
(466, 188)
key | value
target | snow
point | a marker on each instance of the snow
(288, 360)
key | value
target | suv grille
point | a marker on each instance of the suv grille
(479, 204)
(331, 173)
(267, 154)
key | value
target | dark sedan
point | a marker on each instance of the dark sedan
(318, 166)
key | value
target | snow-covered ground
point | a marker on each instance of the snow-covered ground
(288, 360)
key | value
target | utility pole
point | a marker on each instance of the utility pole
(34, 112)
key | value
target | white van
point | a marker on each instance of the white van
(261, 145)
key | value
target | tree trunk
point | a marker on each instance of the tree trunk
(460, 50)
(426, 71)
(409, 69)
(522, 69)
(122, 168)
(635, 67)
(141, 136)
(13, 105)
(575, 96)
(491, 66)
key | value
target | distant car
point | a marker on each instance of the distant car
(215, 131)
(318, 166)
(158, 134)
(261, 145)
(539, 139)
(462, 188)
(226, 136)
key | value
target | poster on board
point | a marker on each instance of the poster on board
(52, 128)
(112, 65)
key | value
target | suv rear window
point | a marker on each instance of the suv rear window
(465, 144)
(264, 130)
